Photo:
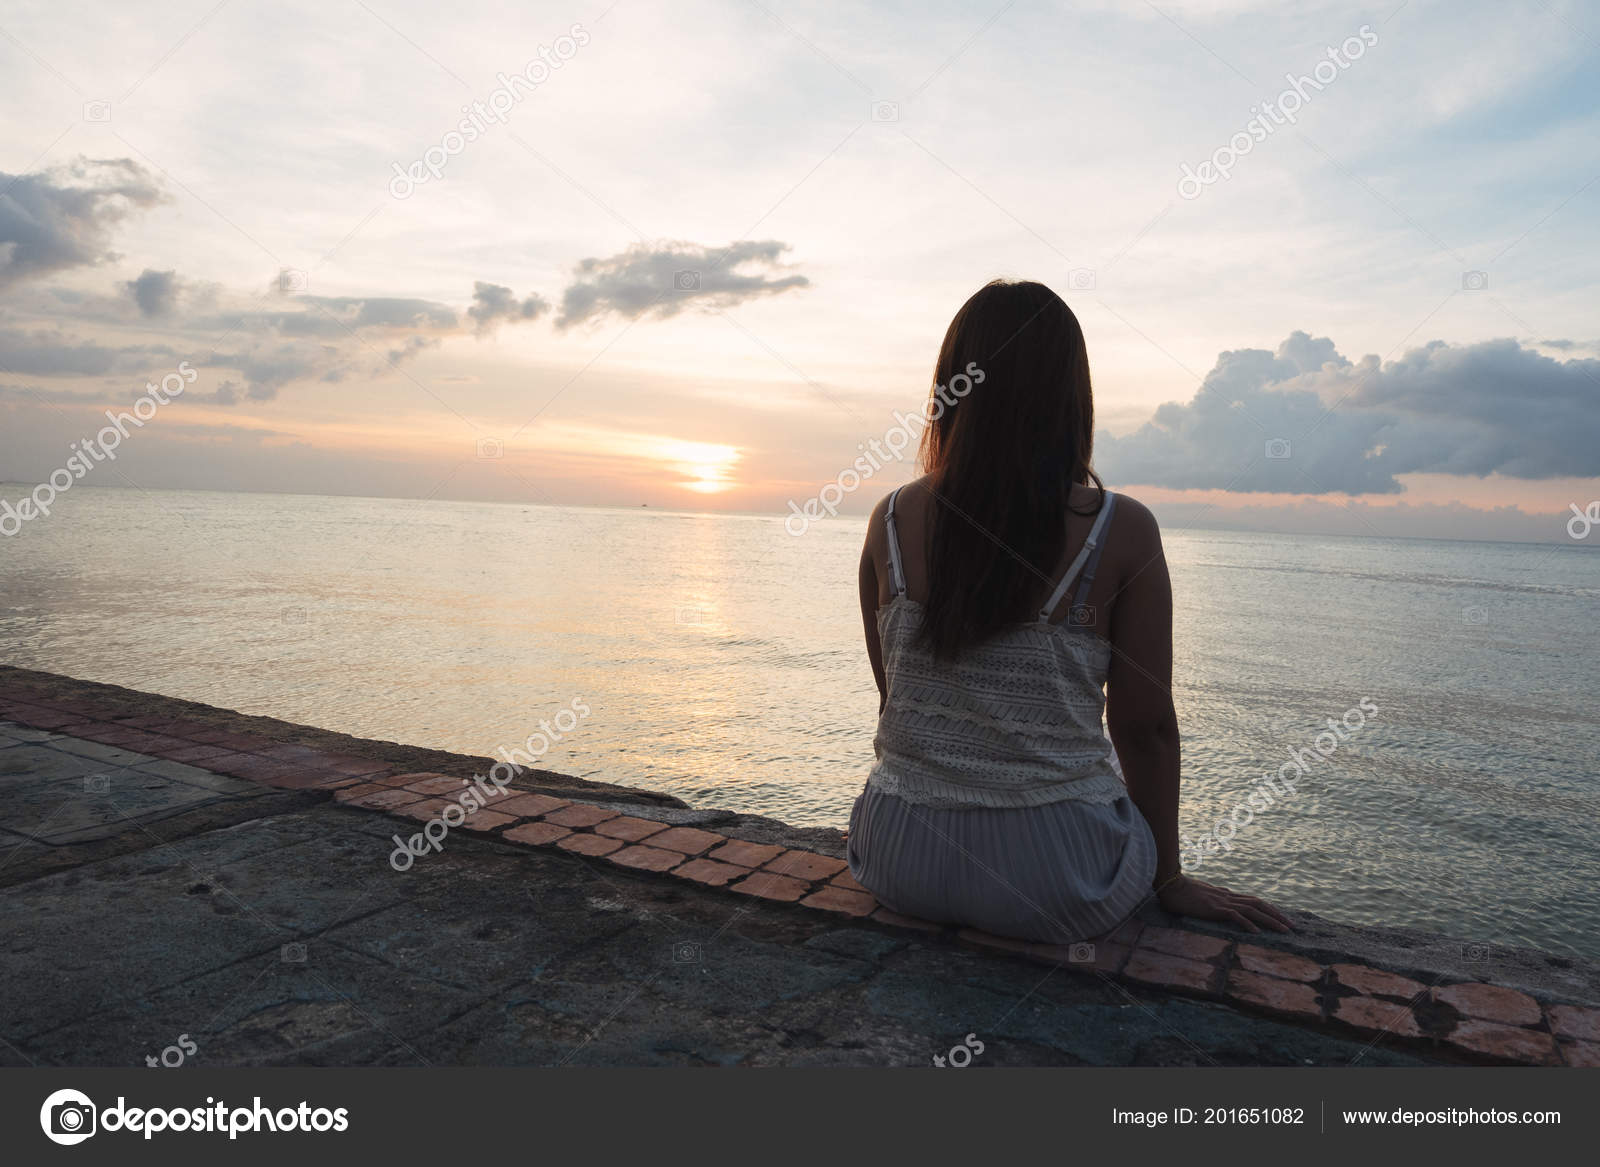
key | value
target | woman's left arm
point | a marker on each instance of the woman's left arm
(869, 604)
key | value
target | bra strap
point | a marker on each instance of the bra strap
(897, 571)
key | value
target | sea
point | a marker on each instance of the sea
(719, 657)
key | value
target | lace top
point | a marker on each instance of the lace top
(1015, 721)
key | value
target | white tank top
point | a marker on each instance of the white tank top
(1015, 721)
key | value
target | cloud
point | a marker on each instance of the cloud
(664, 280)
(494, 302)
(64, 217)
(51, 353)
(1305, 420)
(156, 292)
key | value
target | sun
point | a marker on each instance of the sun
(707, 468)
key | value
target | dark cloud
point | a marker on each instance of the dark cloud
(50, 353)
(64, 217)
(492, 303)
(1306, 420)
(156, 292)
(663, 280)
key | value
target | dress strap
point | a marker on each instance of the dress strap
(1087, 578)
(1089, 554)
(897, 571)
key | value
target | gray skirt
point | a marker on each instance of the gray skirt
(1057, 874)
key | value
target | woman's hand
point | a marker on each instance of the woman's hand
(1203, 901)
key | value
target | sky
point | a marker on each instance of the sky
(1335, 263)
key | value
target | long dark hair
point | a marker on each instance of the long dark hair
(1003, 457)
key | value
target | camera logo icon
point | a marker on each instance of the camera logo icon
(1081, 615)
(1081, 279)
(886, 111)
(489, 449)
(291, 280)
(1474, 281)
(686, 281)
(1278, 449)
(293, 953)
(97, 111)
(1474, 616)
(686, 952)
(1584, 521)
(1081, 953)
(97, 784)
(68, 1117)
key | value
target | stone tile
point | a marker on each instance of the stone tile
(769, 886)
(1575, 1021)
(536, 834)
(390, 779)
(710, 872)
(690, 840)
(646, 858)
(628, 829)
(1491, 1003)
(847, 881)
(425, 810)
(896, 920)
(30, 764)
(1181, 942)
(312, 780)
(529, 806)
(1505, 1042)
(1291, 998)
(435, 784)
(991, 940)
(370, 797)
(1374, 1016)
(84, 807)
(1169, 971)
(1109, 958)
(484, 819)
(1273, 962)
(195, 776)
(99, 751)
(303, 755)
(806, 865)
(1126, 933)
(839, 899)
(589, 844)
(199, 754)
(743, 854)
(579, 814)
(1375, 982)
(1581, 1053)
(348, 764)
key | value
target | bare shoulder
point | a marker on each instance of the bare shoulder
(1136, 528)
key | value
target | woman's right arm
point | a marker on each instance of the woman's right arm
(1144, 724)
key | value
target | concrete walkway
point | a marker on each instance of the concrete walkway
(179, 883)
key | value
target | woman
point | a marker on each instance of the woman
(1010, 601)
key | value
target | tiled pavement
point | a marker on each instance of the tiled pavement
(72, 772)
